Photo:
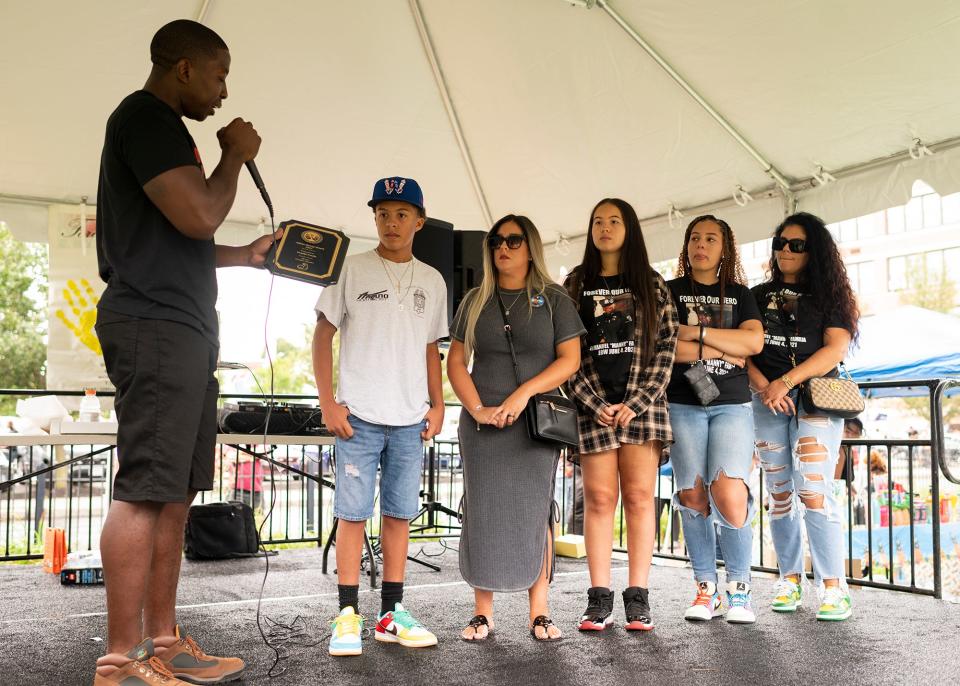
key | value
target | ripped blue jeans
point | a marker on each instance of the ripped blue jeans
(798, 456)
(709, 441)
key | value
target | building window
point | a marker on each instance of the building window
(951, 261)
(848, 230)
(932, 211)
(871, 225)
(896, 273)
(951, 208)
(896, 221)
(913, 212)
(863, 278)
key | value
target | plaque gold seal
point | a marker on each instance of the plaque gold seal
(307, 252)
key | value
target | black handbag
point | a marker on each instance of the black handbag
(703, 385)
(550, 417)
(220, 531)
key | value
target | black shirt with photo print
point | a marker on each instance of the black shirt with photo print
(704, 307)
(607, 310)
(788, 314)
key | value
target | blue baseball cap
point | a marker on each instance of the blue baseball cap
(397, 188)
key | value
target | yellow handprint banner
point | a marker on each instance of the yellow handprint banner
(83, 305)
(74, 356)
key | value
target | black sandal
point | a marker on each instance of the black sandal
(475, 623)
(546, 623)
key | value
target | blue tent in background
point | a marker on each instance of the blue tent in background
(906, 343)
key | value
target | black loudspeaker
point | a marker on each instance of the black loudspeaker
(457, 255)
(468, 247)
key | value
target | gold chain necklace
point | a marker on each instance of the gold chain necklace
(399, 282)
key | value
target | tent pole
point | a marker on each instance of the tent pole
(202, 12)
(431, 52)
(768, 167)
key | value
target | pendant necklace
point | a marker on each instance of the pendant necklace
(398, 282)
(510, 306)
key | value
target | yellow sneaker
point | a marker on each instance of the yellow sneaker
(345, 633)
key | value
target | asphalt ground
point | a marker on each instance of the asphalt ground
(52, 634)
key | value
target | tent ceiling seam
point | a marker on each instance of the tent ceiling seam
(766, 192)
(767, 166)
(454, 120)
(791, 196)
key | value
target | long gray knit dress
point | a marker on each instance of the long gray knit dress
(508, 477)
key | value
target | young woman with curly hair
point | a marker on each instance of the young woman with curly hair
(810, 320)
(712, 453)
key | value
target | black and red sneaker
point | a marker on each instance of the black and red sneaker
(636, 604)
(599, 613)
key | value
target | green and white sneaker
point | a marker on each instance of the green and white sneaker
(836, 605)
(399, 626)
(788, 596)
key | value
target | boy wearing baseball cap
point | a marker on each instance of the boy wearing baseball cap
(390, 309)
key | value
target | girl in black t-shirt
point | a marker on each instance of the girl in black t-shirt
(712, 454)
(626, 357)
(810, 319)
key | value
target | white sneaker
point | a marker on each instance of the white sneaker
(740, 610)
(706, 605)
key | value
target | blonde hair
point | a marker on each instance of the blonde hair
(536, 282)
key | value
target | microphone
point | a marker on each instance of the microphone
(258, 182)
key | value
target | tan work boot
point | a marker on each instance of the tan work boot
(144, 669)
(187, 661)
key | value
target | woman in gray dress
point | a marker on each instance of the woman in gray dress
(505, 545)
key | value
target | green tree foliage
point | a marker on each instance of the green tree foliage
(932, 291)
(23, 318)
(293, 368)
(929, 290)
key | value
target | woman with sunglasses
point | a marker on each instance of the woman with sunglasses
(712, 454)
(620, 389)
(810, 319)
(506, 544)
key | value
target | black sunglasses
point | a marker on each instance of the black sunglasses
(797, 245)
(513, 241)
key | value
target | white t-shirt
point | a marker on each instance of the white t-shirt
(383, 338)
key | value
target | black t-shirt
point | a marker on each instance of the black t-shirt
(607, 310)
(152, 270)
(705, 308)
(788, 313)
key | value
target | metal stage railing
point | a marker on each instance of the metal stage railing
(897, 530)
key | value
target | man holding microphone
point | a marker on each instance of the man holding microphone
(157, 213)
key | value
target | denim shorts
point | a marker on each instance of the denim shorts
(709, 440)
(397, 451)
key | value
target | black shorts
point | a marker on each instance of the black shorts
(166, 405)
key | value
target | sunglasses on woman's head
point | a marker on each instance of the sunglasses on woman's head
(797, 245)
(513, 241)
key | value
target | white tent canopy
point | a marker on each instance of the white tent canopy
(534, 106)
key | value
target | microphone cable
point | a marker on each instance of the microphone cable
(279, 636)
